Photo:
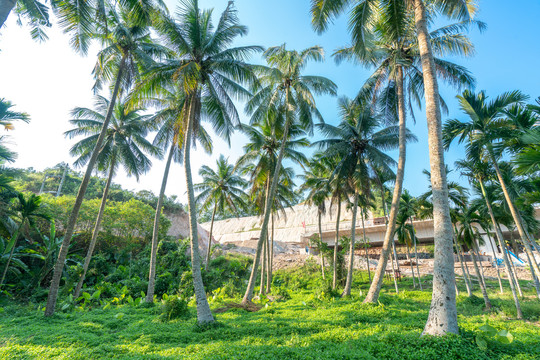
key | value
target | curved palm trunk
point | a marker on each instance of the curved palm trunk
(62, 180)
(210, 238)
(480, 281)
(204, 315)
(320, 250)
(270, 259)
(535, 270)
(410, 264)
(155, 232)
(70, 227)
(442, 316)
(465, 277)
(95, 233)
(268, 208)
(378, 276)
(5, 9)
(13, 243)
(508, 267)
(348, 283)
(365, 244)
(336, 245)
(496, 262)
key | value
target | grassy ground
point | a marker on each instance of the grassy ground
(310, 325)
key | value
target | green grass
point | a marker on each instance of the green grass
(304, 327)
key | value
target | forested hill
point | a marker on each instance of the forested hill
(49, 180)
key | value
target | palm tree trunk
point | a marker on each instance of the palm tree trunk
(268, 207)
(442, 316)
(13, 246)
(270, 259)
(348, 283)
(508, 267)
(204, 315)
(496, 262)
(95, 233)
(320, 250)
(155, 232)
(336, 245)
(465, 277)
(70, 227)
(61, 185)
(5, 8)
(378, 277)
(394, 270)
(480, 281)
(410, 263)
(365, 243)
(417, 268)
(535, 270)
(210, 238)
(416, 254)
(263, 267)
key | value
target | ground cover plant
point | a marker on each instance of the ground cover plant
(303, 319)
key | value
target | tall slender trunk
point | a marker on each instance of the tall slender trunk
(416, 255)
(365, 243)
(336, 245)
(95, 232)
(467, 283)
(348, 283)
(42, 188)
(270, 259)
(5, 8)
(417, 267)
(535, 270)
(378, 277)
(320, 250)
(496, 262)
(511, 280)
(13, 244)
(61, 185)
(410, 264)
(70, 227)
(268, 206)
(208, 251)
(394, 270)
(204, 315)
(155, 232)
(442, 316)
(480, 281)
(263, 267)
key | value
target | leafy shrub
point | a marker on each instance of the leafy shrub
(173, 307)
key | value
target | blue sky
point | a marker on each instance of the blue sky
(57, 80)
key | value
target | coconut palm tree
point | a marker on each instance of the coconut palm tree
(359, 144)
(170, 99)
(286, 90)
(484, 133)
(7, 116)
(315, 182)
(210, 71)
(475, 168)
(408, 205)
(124, 145)
(27, 210)
(469, 235)
(220, 190)
(128, 48)
(389, 42)
(260, 158)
